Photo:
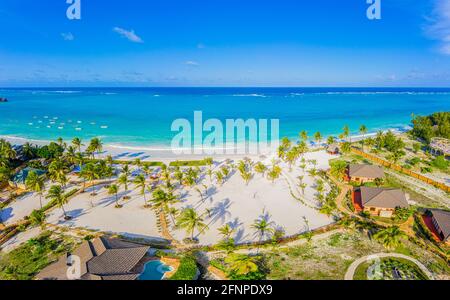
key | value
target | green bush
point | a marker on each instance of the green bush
(187, 269)
(188, 163)
(441, 163)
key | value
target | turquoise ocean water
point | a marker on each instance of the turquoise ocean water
(143, 116)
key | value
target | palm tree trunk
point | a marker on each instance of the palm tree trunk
(40, 200)
(64, 211)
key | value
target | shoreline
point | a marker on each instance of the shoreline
(159, 153)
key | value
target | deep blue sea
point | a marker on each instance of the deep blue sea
(143, 116)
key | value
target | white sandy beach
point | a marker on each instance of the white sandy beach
(233, 203)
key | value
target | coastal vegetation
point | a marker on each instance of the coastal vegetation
(165, 189)
(26, 261)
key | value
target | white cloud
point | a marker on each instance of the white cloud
(191, 63)
(439, 25)
(128, 34)
(67, 36)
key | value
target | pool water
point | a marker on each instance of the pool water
(154, 270)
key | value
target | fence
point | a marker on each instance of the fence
(398, 168)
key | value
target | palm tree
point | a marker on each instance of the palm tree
(179, 175)
(274, 173)
(303, 187)
(225, 171)
(71, 155)
(346, 132)
(363, 131)
(139, 181)
(162, 200)
(95, 145)
(304, 135)
(260, 168)
(124, 180)
(209, 162)
(262, 228)
(219, 177)
(346, 147)
(246, 176)
(113, 190)
(56, 194)
(190, 220)
(90, 173)
(60, 141)
(35, 183)
(226, 231)
(330, 140)
(390, 237)
(318, 137)
(76, 142)
(242, 264)
(57, 170)
(29, 150)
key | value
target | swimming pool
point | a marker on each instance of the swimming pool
(154, 270)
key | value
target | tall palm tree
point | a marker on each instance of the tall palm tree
(140, 183)
(57, 171)
(90, 173)
(71, 155)
(226, 231)
(124, 180)
(60, 141)
(35, 183)
(304, 135)
(76, 142)
(274, 173)
(113, 190)
(190, 220)
(363, 131)
(260, 168)
(318, 137)
(28, 150)
(346, 132)
(95, 145)
(162, 200)
(56, 194)
(390, 237)
(330, 140)
(262, 228)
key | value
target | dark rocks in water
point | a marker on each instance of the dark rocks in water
(3, 99)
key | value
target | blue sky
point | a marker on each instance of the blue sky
(225, 43)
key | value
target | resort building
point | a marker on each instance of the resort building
(440, 224)
(99, 259)
(18, 181)
(333, 149)
(440, 146)
(364, 173)
(379, 201)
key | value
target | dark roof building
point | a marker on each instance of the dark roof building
(100, 259)
(365, 171)
(383, 197)
(441, 221)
